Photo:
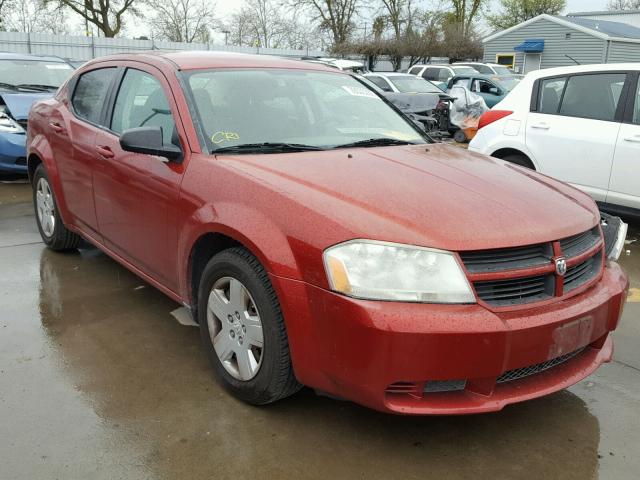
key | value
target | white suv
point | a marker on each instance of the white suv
(440, 73)
(579, 124)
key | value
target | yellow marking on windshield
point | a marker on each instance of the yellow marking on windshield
(221, 136)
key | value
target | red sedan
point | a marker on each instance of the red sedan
(320, 238)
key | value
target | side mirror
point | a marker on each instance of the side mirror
(148, 140)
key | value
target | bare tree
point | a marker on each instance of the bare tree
(36, 16)
(464, 13)
(624, 5)
(335, 16)
(514, 12)
(4, 5)
(106, 15)
(182, 20)
(240, 28)
(268, 25)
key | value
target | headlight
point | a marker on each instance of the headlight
(9, 125)
(389, 271)
(616, 250)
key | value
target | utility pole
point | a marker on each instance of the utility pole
(226, 37)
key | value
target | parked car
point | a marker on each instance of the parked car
(25, 79)
(339, 63)
(440, 74)
(320, 239)
(491, 69)
(416, 96)
(580, 124)
(491, 89)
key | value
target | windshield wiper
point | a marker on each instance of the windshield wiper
(8, 85)
(37, 86)
(266, 147)
(376, 142)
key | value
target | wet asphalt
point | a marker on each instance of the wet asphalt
(99, 381)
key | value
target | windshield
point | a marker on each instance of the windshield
(502, 70)
(411, 84)
(35, 73)
(295, 107)
(464, 70)
(481, 68)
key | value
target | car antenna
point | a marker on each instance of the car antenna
(573, 59)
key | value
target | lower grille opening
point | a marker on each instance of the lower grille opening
(435, 386)
(403, 388)
(21, 161)
(523, 372)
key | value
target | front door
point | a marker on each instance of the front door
(73, 143)
(136, 195)
(624, 186)
(573, 130)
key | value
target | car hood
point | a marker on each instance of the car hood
(431, 195)
(19, 104)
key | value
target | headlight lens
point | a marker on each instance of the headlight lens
(9, 125)
(389, 271)
(618, 246)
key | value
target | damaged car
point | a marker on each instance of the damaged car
(24, 79)
(320, 238)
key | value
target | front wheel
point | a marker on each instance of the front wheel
(53, 232)
(243, 330)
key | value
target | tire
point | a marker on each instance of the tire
(460, 137)
(57, 237)
(519, 159)
(237, 337)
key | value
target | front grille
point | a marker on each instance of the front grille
(583, 272)
(516, 291)
(500, 278)
(519, 373)
(580, 243)
(507, 258)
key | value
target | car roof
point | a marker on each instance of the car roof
(391, 74)
(196, 60)
(609, 67)
(24, 56)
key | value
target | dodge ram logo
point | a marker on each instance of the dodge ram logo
(561, 266)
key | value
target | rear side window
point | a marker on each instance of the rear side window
(90, 93)
(415, 70)
(382, 83)
(431, 73)
(550, 94)
(593, 96)
(141, 102)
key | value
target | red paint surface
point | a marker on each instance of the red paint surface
(288, 208)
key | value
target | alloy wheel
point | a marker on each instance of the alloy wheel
(235, 328)
(45, 207)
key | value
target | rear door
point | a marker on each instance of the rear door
(573, 126)
(136, 195)
(624, 187)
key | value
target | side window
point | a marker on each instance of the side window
(141, 102)
(636, 110)
(482, 86)
(380, 82)
(90, 93)
(414, 70)
(431, 73)
(550, 93)
(444, 75)
(592, 96)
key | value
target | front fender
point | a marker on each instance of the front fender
(246, 225)
(39, 147)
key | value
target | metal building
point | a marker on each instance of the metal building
(549, 41)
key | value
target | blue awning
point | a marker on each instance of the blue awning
(531, 46)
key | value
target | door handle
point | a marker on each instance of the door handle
(540, 126)
(56, 127)
(635, 139)
(105, 152)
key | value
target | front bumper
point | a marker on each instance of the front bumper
(358, 350)
(13, 153)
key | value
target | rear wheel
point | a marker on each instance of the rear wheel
(53, 232)
(243, 330)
